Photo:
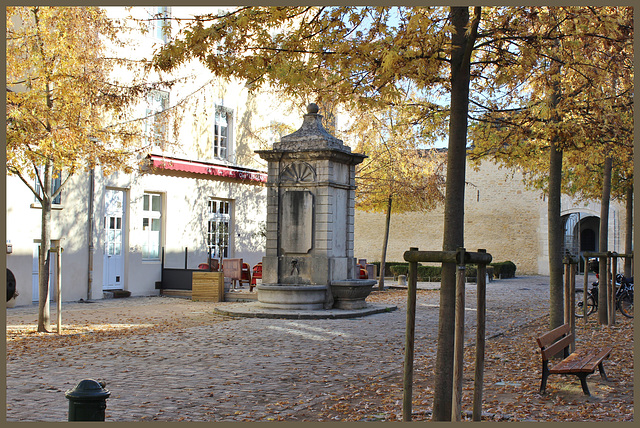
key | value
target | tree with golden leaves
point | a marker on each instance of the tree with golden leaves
(400, 174)
(564, 107)
(64, 112)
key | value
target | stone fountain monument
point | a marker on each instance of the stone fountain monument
(309, 262)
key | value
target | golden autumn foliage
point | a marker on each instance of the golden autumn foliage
(398, 165)
(65, 113)
(62, 105)
(593, 113)
(361, 56)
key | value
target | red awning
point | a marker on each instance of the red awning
(206, 168)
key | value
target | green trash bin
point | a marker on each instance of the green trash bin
(87, 401)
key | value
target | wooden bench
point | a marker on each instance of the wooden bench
(580, 363)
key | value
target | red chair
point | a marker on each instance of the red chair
(213, 267)
(257, 274)
(363, 272)
(246, 275)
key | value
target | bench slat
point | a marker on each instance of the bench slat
(574, 363)
(557, 347)
(585, 362)
(550, 337)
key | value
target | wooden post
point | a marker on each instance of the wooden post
(567, 299)
(610, 294)
(572, 303)
(586, 289)
(481, 309)
(614, 271)
(458, 353)
(59, 289)
(407, 396)
(40, 271)
(56, 246)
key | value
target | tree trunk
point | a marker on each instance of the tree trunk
(44, 315)
(628, 240)
(603, 297)
(383, 258)
(462, 45)
(554, 206)
(555, 235)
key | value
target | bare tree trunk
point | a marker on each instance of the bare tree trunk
(462, 40)
(628, 241)
(383, 258)
(44, 315)
(603, 297)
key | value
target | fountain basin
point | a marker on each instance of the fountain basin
(297, 296)
(351, 293)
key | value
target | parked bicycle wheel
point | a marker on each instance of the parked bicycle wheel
(591, 306)
(625, 304)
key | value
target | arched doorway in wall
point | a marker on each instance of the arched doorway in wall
(589, 236)
(580, 235)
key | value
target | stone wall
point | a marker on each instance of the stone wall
(501, 216)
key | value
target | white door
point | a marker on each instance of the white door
(114, 219)
(35, 295)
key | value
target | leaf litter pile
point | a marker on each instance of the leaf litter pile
(511, 376)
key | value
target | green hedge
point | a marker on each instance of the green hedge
(387, 267)
(433, 273)
(504, 269)
(428, 273)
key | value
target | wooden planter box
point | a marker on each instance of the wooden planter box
(207, 286)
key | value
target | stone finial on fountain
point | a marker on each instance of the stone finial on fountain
(313, 108)
(311, 135)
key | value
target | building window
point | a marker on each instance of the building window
(151, 225)
(222, 132)
(113, 226)
(155, 125)
(56, 182)
(161, 24)
(218, 222)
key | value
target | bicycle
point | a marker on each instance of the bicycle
(624, 298)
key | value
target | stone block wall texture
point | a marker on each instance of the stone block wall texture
(501, 216)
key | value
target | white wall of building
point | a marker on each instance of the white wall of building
(184, 196)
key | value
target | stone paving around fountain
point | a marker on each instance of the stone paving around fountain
(232, 369)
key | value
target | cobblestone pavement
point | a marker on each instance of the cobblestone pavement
(238, 369)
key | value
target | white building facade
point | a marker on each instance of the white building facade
(199, 189)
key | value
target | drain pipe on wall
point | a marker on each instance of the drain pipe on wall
(90, 232)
